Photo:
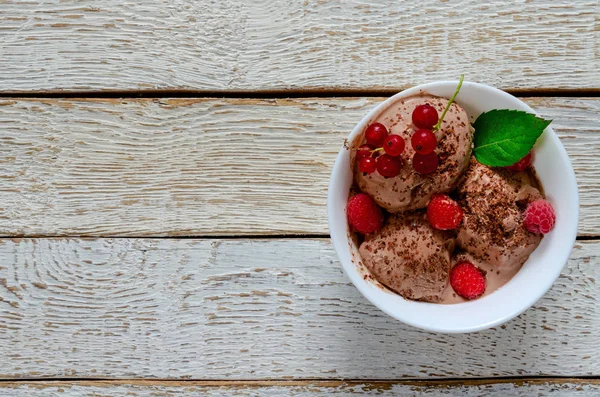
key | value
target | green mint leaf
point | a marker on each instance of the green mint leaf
(503, 137)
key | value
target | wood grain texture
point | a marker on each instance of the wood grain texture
(206, 166)
(539, 388)
(310, 44)
(257, 309)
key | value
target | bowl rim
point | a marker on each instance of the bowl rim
(350, 267)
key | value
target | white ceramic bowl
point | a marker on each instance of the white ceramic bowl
(556, 174)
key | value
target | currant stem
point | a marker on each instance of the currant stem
(372, 151)
(439, 123)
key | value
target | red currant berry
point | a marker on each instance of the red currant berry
(425, 163)
(394, 145)
(367, 165)
(389, 166)
(425, 116)
(364, 151)
(423, 141)
(375, 134)
(520, 165)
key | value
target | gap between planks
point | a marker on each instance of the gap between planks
(208, 237)
(273, 94)
(441, 382)
(190, 237)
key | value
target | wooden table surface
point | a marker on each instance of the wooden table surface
(163, 178)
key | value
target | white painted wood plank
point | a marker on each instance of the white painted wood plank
(281, 44)
(566, 388)
(206, 167)
(257, 309)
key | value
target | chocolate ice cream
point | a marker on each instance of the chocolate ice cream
(410, 190)
(493, 201)
(410, 257)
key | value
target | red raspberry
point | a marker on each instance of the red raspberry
(520, 165)
(467, 280)
(539, 217)
(443, 213)
(364, 214)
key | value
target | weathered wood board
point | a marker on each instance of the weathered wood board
(257, 309)
(245, 45)
(190, 167)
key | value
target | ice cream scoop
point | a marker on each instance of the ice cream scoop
(493, 201)
(410, 190)
(409, 257)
